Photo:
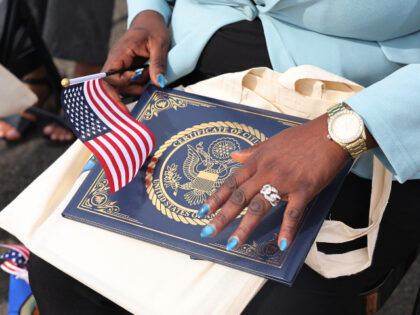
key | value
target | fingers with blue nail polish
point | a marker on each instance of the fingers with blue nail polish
(207, 231)
(161, 80)
(203, 211)
(292, 214)
(233, 242)
(283, 244)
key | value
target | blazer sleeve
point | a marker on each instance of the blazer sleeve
(390, 109)
(137, 6)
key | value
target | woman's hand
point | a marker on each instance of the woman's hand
(299, 162)
(147, 38)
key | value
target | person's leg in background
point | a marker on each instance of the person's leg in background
(20, 55)
(74, 30)
(78, 30)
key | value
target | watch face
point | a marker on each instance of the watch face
(345, 126)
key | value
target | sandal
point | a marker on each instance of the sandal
(20, 123)
(23, 124)
(57, 120)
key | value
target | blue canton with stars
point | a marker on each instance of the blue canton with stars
(16, 257)
(83, 121)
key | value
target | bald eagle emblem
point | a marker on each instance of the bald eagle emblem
(205, 170)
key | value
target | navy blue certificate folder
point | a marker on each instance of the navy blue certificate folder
(194, 136)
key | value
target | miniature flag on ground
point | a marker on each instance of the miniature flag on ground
(118, 141)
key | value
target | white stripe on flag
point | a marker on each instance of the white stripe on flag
(120, 167)
(126, 155)
(108, 162)
(11, 268)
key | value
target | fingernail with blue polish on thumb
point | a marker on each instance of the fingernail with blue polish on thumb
(161, 80)
(283, 244)
(207, 231)
(233, 242)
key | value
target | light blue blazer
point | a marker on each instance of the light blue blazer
(375, 43)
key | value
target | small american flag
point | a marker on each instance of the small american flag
(14, 260)
(118, 141)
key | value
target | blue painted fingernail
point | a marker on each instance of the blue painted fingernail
(161, 80)
(136, 76)
(283, 244)
(233, 242)
(207, 231)
(203, 211)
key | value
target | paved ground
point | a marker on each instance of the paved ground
(21, 163)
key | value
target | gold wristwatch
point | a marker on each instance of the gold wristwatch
(346, 128)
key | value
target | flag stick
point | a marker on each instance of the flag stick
(65, 82)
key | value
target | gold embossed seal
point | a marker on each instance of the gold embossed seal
(193, 164)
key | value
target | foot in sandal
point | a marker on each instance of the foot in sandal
(12, 128)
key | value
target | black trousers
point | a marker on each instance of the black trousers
(22, 49)
(18, 43)
(229, 50)
(78, 30)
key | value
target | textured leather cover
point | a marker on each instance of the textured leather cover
(194, 136)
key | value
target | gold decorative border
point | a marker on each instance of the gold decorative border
(97, 199)
(147, 112)
(277, 261)
(160, 101)
(267, 252)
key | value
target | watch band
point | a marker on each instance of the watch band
(357, 147)
(335, 109)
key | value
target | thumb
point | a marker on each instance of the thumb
(243, 155)
(158, 56)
